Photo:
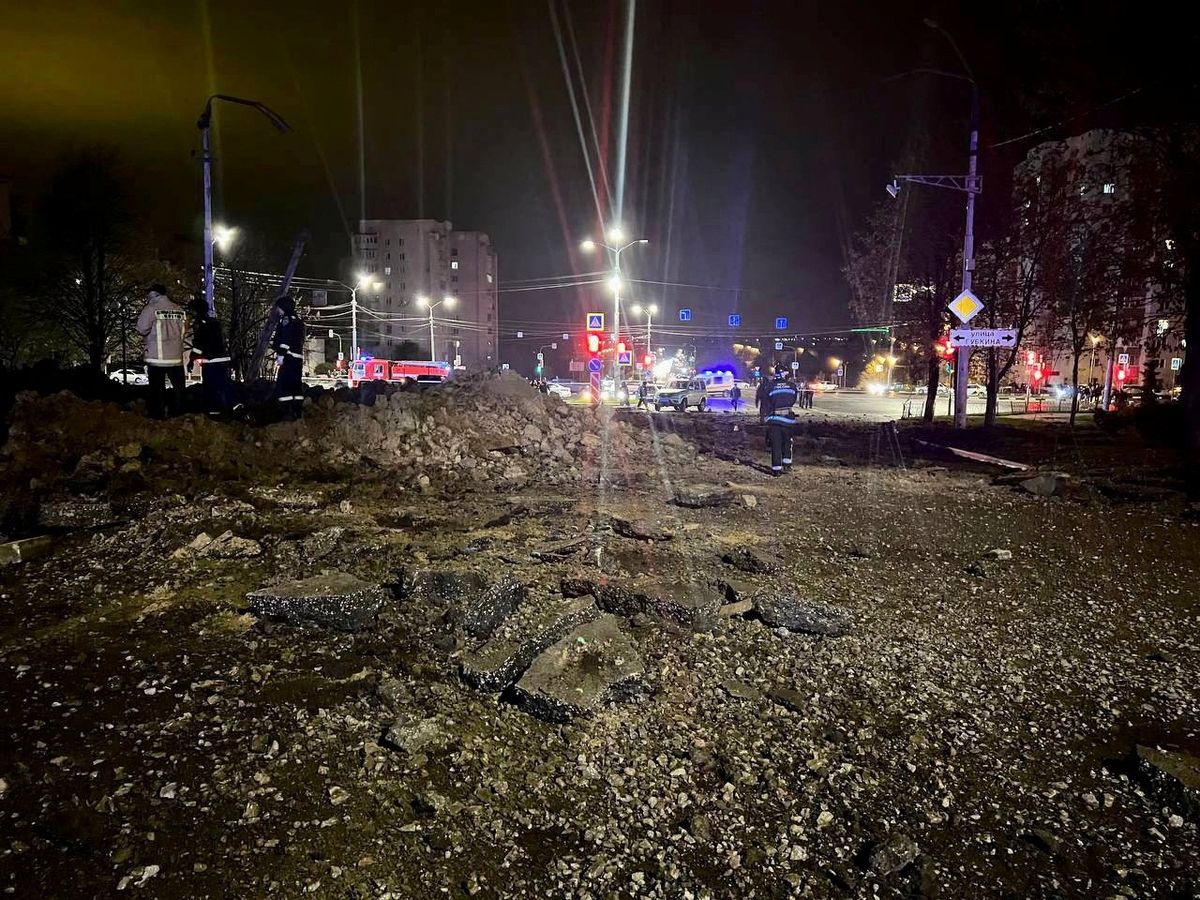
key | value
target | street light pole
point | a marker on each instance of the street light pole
(972, 187)
(204, 123)
(616, 249)
(424, 301)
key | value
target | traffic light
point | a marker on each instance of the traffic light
(942, 347)
(538, 370)
(1122, 374)
(1037, 374)
(1030, 357)
(593, 341)
(648, 360)
(620, 346)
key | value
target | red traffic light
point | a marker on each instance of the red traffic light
(1121, 374)
(1037, 374)
(942, 347)
(620, 346)
(593, 342)
(649, 360)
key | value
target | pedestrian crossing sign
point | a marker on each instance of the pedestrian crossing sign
(595, 321)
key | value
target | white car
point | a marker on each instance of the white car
(558, 390)
(823, 387)
(130, 376)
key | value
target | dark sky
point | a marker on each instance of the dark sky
(759, 132)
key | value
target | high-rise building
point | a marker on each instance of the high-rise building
(415, 260)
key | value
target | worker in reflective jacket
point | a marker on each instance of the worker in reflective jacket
(288, 345)
(208, 348)
(776, 408)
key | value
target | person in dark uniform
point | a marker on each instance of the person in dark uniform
(777, 406)
(760, 397)
(208, 346)
(643, 395)
(735, 397)
(288, 345)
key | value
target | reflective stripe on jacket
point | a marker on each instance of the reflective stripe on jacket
(164, 326)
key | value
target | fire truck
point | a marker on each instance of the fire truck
(398, 371)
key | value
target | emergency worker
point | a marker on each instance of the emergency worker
(208, 346)
(288, 345)
(776, 411)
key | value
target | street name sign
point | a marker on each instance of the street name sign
(965, 307)
(983, 337)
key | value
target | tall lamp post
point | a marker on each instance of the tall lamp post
(424, 301)
(651, 311)
(971, 185)
(204, 123)
(361, 280)
(616, 247)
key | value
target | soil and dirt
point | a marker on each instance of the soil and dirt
(472, 641)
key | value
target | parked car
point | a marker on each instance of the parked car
(823, 387)
(976, 390)
(129, 376)
(558, 390)
(681, 394)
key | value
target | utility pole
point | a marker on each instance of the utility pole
(963, 362)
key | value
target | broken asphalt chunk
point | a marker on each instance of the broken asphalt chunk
(750, 561)
(25, 549)
(641, 529)
(702, 496)
(1173, 777)
(499, 662)
(68, 513)
(691, 603)
(333, 599)
(592, 665)
(809, 616)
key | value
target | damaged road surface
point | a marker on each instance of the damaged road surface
(471, 641)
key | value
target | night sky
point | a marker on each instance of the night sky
(759, 133)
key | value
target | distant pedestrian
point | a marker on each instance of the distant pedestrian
(624, 393)
(643, 395)
(208, 347)
(163, 325)
(288, 345)
(780, 399)
(735, 397)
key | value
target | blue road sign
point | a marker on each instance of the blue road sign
(685, 315)
(594, 364)
(781, 323)
(735, 320)
(779, 345)
(624, 359)
(595, 321)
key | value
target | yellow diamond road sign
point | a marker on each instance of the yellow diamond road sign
(965, 306)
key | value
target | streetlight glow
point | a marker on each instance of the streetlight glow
(422, 301)
(615, 234)
(588, 246)
(653, 309)
(449, 301)
(615, 283)
(224, 236)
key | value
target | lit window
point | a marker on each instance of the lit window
(1163, 325)
(387, 270)
(1170, 242)
(1110, 187)
(489, 277)
(454, 264)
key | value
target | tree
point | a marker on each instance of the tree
(95, 265)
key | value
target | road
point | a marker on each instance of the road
(858, 405)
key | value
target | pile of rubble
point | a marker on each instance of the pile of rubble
(487, 430)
